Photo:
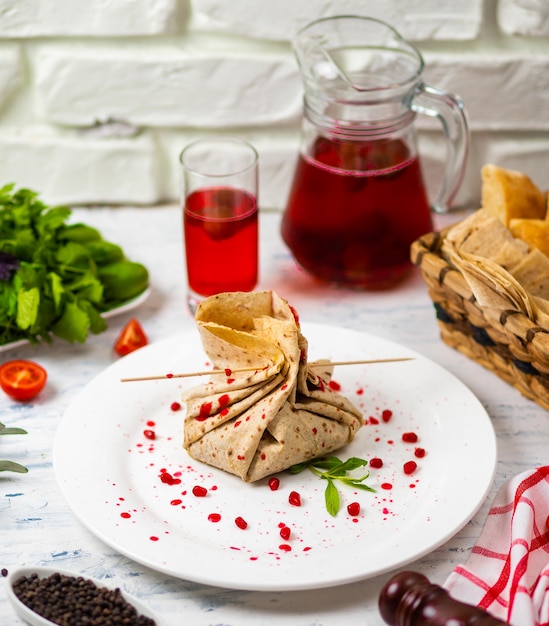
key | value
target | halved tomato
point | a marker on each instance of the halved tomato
(131, 337)
(22, 380)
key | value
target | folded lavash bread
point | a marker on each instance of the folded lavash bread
(503, 271)
(254, 424)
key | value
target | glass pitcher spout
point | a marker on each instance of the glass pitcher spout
(356, 70)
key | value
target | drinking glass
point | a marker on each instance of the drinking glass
(220, 216)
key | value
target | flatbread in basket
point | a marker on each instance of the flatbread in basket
(254, 424)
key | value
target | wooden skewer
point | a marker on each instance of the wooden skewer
(259, 369)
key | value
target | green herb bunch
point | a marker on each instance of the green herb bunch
(331, 469)
(12, 466)
(57, 278)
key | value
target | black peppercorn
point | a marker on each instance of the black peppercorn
(75, 601)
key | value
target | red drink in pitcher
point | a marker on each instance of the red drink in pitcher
(221, 235)
(354, 210)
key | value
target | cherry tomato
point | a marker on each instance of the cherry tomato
(131, 338)
(22, 380)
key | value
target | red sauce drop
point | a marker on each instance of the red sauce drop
(228, 372)
(386, 486)
(205, 410)
(224, 400)
(175, 406)
(199, 491)
(285, 547)
(334, 386)
(274, 483)
(214, 517)
(169, 375)
(376, 462)
(125, 515)
(153, 538)
(176, 502)
(149, 434)
(241, 523)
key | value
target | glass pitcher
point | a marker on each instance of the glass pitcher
(358, 198)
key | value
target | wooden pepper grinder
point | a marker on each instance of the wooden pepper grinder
(409, 599)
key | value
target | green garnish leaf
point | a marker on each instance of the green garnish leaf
(12, 466)
(331, 496)
(57, 278)
(27, 307)
(331, 468)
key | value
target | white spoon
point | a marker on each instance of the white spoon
(34, 619)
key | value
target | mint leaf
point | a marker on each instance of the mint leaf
(331, 497)
(331, 468)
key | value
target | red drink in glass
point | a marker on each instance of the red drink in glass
(354, 210)
(221, 240)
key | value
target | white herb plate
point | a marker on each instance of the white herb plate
(109, 472)
(123, 308)
(29, 616)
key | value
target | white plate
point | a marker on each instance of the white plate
(29, 616)
(109, 472)
(123, 308)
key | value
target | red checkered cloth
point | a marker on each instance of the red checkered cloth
(507, 573)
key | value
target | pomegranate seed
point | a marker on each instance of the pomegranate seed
(409, 437)
(149, 434)
(175, 406)
(285, 533)
(419, 453)
(353, 509)
(386, 415)
(241, 523)
(214, 517)
(274, 484)
(294, 498)
(410, 467)
(199, 491)
(376, 462)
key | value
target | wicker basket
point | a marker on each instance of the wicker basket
(507, 343)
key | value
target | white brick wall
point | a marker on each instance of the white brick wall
(98, 98)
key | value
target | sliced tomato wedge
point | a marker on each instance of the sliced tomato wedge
(131, 338)
(22, 380)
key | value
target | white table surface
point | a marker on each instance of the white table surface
(38, 528)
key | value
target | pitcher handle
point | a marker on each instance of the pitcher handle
(450, 111)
